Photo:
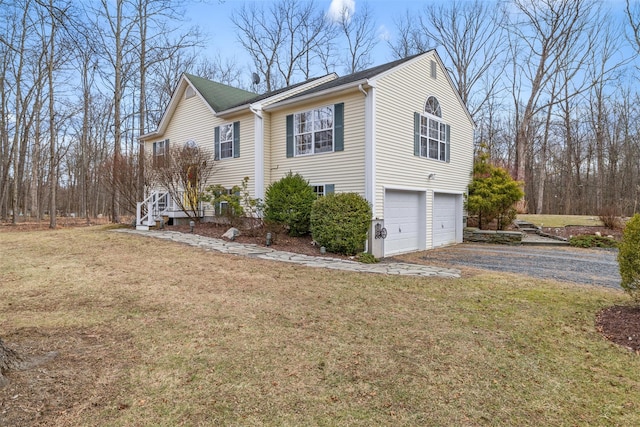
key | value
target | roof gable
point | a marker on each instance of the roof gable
(219, 96)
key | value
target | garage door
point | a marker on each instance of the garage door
(444, 219)
(404, 221)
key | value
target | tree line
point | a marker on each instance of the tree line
(550, 85)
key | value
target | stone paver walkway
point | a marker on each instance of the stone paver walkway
(255, 251)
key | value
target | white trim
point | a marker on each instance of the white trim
(370, 149)
(457, 193)
(284, 94)
(316, 95)
(259, 153)
(403, 188)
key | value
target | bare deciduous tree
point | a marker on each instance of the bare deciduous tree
(280, 38)
(359, 30)
(410, 40)
(471, 34)
(184, 173)
(548, 38)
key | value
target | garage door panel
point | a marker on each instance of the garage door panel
(445, 219)
(402, 217)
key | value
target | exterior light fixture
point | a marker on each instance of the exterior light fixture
(191, 225)
(269, 237)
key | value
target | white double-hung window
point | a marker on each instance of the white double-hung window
(226, 141)
(432, 134)
(313, 131)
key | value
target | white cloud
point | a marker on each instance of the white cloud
(383, 33)
(340, 7)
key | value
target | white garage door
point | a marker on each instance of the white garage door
(444, 219)
(403, 211)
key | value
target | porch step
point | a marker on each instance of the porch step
(526, 226)
(142, 227)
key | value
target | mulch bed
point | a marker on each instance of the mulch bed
(579, 230)
(281, 241)
(621, 325)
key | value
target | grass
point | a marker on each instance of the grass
(561, 220)
(155, 333)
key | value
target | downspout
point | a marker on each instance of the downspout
(259, 152)
(361, 89)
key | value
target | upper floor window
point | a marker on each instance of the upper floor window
(313, 131)
(433, 138)
(320, 130)
(227, 141)
(431, 134)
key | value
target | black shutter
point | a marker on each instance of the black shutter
(448, 145)
(416, 134)
(290, 135)
(216, 145)
(338, 127)
(236, 139)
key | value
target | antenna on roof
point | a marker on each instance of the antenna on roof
(256, 78)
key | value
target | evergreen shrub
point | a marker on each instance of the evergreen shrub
(629, 258)
(288, 202)
(340, 222)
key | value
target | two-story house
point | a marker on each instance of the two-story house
(398, 134)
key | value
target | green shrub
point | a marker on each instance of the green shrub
(592, 241)
(288, 202)
(367, 258)
(492, 194)
(629, 258)
(340, 222)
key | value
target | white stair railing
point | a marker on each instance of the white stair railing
(151, 209)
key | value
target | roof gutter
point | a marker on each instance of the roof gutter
(149, 135)
(360, 84)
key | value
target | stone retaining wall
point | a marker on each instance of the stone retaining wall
(472, 234)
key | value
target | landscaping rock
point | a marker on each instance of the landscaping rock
(231, 234)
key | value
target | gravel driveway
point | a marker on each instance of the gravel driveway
(585, 266)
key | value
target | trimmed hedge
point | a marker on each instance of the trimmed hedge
(340, 222)
(288, 202)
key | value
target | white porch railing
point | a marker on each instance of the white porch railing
(151, 209)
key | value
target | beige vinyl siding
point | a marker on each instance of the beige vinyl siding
(230, 172)
(194, 120)
(345, 169)
(398, 95)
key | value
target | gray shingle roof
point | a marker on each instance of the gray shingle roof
(361, 75)
(222, 97)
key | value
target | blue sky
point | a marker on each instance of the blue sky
(213, 18)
